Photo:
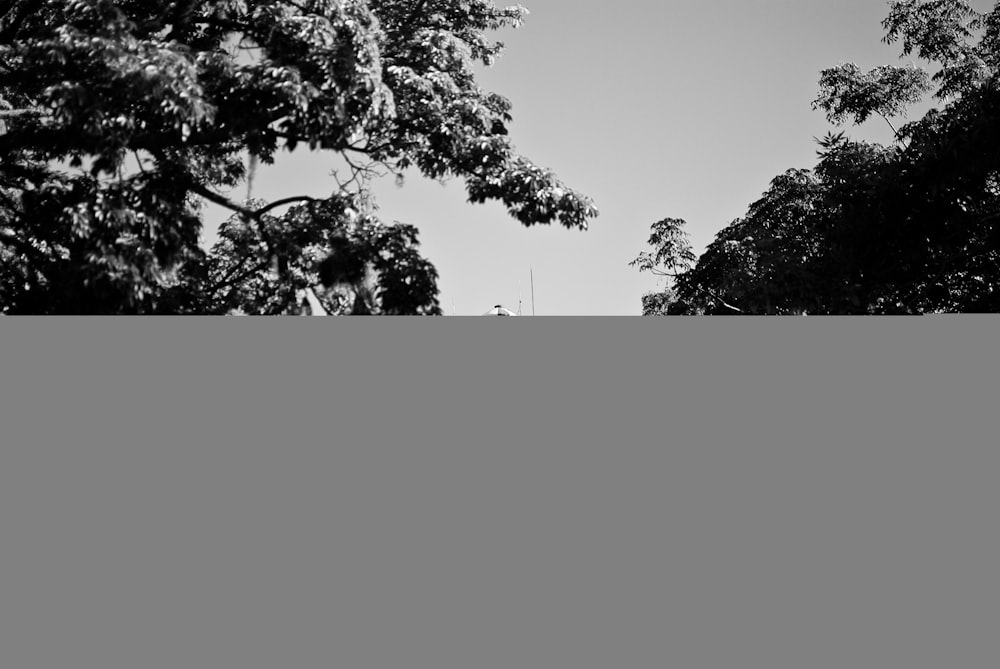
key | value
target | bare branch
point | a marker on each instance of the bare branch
(221, 200)
(17, 113)
(288, 200)
(895, 132)
(723, 302)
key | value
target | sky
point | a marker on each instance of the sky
(652, 108)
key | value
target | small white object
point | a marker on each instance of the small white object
(499, 310)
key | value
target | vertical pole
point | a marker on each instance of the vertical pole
(532, 290)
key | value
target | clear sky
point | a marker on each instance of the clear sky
(653, 108)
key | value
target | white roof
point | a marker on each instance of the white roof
(499, 310)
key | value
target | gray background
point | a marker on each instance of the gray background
(480, 493)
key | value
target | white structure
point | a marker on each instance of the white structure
(498, 310)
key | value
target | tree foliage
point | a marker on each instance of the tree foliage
(905, 228)
(118, 120)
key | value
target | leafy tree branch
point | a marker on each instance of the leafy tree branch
(189, 89)
(904, 229)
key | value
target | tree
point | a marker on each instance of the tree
(900, 229)
(118, 120)
(673, 258)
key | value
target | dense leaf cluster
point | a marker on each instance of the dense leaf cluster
(909, 228)
(118, 119)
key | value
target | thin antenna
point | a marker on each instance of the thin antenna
(532, 290)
